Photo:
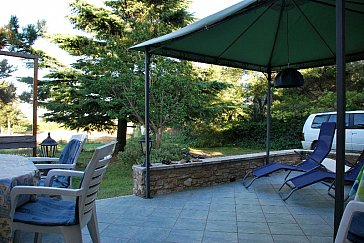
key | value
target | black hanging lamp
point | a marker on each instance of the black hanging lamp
(289, 77)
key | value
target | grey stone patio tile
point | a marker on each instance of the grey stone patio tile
(251, 217)
(320, 239)
(290, 239)
(204, 207)
(107, 217)
(253, 228)
(222, 207)
(105, 239)
(147, 234)
(248, 208)
(190, 224)
(315, 230)
(166, 212)
(219, 237)
(285, 229)
(223, 226)
(300, 210)
(309, 219)
(135, 212)
(247, 201)
(271, 202)
(222, 215)
(256, 238)
(275, 209)
(279, 218)
(185, 236)
(194, 214)
(160, 222)
(120, 231)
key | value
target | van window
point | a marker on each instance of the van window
(333, 119)
(358, 121)
(318, 120)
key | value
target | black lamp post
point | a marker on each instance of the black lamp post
(144, 146)
(48, 147)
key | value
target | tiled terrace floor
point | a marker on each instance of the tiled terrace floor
(222, 213)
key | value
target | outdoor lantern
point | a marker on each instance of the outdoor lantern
(143, 145)
(288, 78)
(48, 147)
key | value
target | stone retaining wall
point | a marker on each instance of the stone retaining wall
(178, 177)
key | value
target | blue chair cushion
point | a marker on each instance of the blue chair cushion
(69, 152)
(356, 230)
(59, 182)
(49, 211)
(68, 156)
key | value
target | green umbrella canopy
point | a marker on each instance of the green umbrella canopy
(266, 35)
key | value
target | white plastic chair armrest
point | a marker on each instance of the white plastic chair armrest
(43, 159)
(59, 172)
(40, 190)
(54, 166)
(353, 206)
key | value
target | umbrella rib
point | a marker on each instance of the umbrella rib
(244, 31)
(313, 27)
(276, 34)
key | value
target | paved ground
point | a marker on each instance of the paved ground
(222, 213)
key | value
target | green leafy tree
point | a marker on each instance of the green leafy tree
(107, 82)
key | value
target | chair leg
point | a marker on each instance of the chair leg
(285, 178)
(93, 227)
(72, 234)
(289, 194)
(16, 236)
(37, 237)
(251, 182)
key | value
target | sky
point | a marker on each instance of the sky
(54, 13)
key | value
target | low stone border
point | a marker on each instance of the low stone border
(211, 171)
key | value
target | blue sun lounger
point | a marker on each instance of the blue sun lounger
(320, 174)
(322, 149)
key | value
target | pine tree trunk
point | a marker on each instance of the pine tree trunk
(121, 136)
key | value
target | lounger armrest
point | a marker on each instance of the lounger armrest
(59, 172)
(54, 166)
(43, 159)
(353, 206)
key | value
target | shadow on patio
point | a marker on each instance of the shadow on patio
(222, 213)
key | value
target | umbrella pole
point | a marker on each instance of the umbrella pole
(268, 115)
(147, 151)
(341, 98)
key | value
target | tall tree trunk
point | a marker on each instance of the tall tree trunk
(158, 138)
(121, 136)
(9, 127)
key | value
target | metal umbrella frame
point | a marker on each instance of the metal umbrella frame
(268, 36)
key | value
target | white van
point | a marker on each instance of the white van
(354, 137)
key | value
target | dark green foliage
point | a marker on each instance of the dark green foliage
(252, 135)
(171, 150)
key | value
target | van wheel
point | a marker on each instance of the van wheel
(313, 145)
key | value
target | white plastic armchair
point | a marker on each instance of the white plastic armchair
(48, 214)
(67, 160)
(54, 161)
(351, 209)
